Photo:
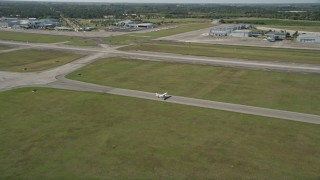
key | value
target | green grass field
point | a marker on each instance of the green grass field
(4, 47)
(293, 92)
(231, 51)
(137, 38)
(34, 60)
(34, 38)
(58, 134)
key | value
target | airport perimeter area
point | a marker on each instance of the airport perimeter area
(83, 105)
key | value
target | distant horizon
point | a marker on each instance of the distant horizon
(184, 1)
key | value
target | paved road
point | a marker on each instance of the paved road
(154, 56)
(14, 49)
(23, 46)
(48, 79)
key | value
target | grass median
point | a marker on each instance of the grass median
(293, 92)
(231, 51)
(42, 38)
(4, 47)
(58, 134)
(34, 60)
(34, 38)
(84, 42)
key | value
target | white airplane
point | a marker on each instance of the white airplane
(164, 96)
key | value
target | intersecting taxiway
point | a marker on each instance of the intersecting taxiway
(54, 78)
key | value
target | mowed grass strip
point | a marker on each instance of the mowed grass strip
(3, 47)
(58, 134)
(34, 38)
(34, 60)
(137, 38)
(83, 42)
(293, 92)
(231, 51)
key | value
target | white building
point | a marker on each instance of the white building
(276, 35)
(109, 16)
(132, 24)
(226, 30)
(216, 21)
(63, 29)
(29, 23)
(309, 38)
(221, 31)
(125, 23)
(4, 24)
(241, 33)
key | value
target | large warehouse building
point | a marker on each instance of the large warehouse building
(227, 30)
(32, 23)
(146, 25)
(276, 35)
(309, 38)
(241, 33)
(132, 24)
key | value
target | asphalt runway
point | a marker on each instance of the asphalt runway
(167, 57)
(63, 83)
(224, 62)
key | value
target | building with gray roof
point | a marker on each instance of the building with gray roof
(309, 38)
(276, 35)
(29, 23)
(226, 30)
(241, 33)
(125, 23)
(132, 24)
(146, 25)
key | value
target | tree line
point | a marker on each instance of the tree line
(148, 11)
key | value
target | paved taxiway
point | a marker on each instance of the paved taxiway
(11, 80)
(55, 78)
(155, 56)
(225, 62)
(63, 83)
